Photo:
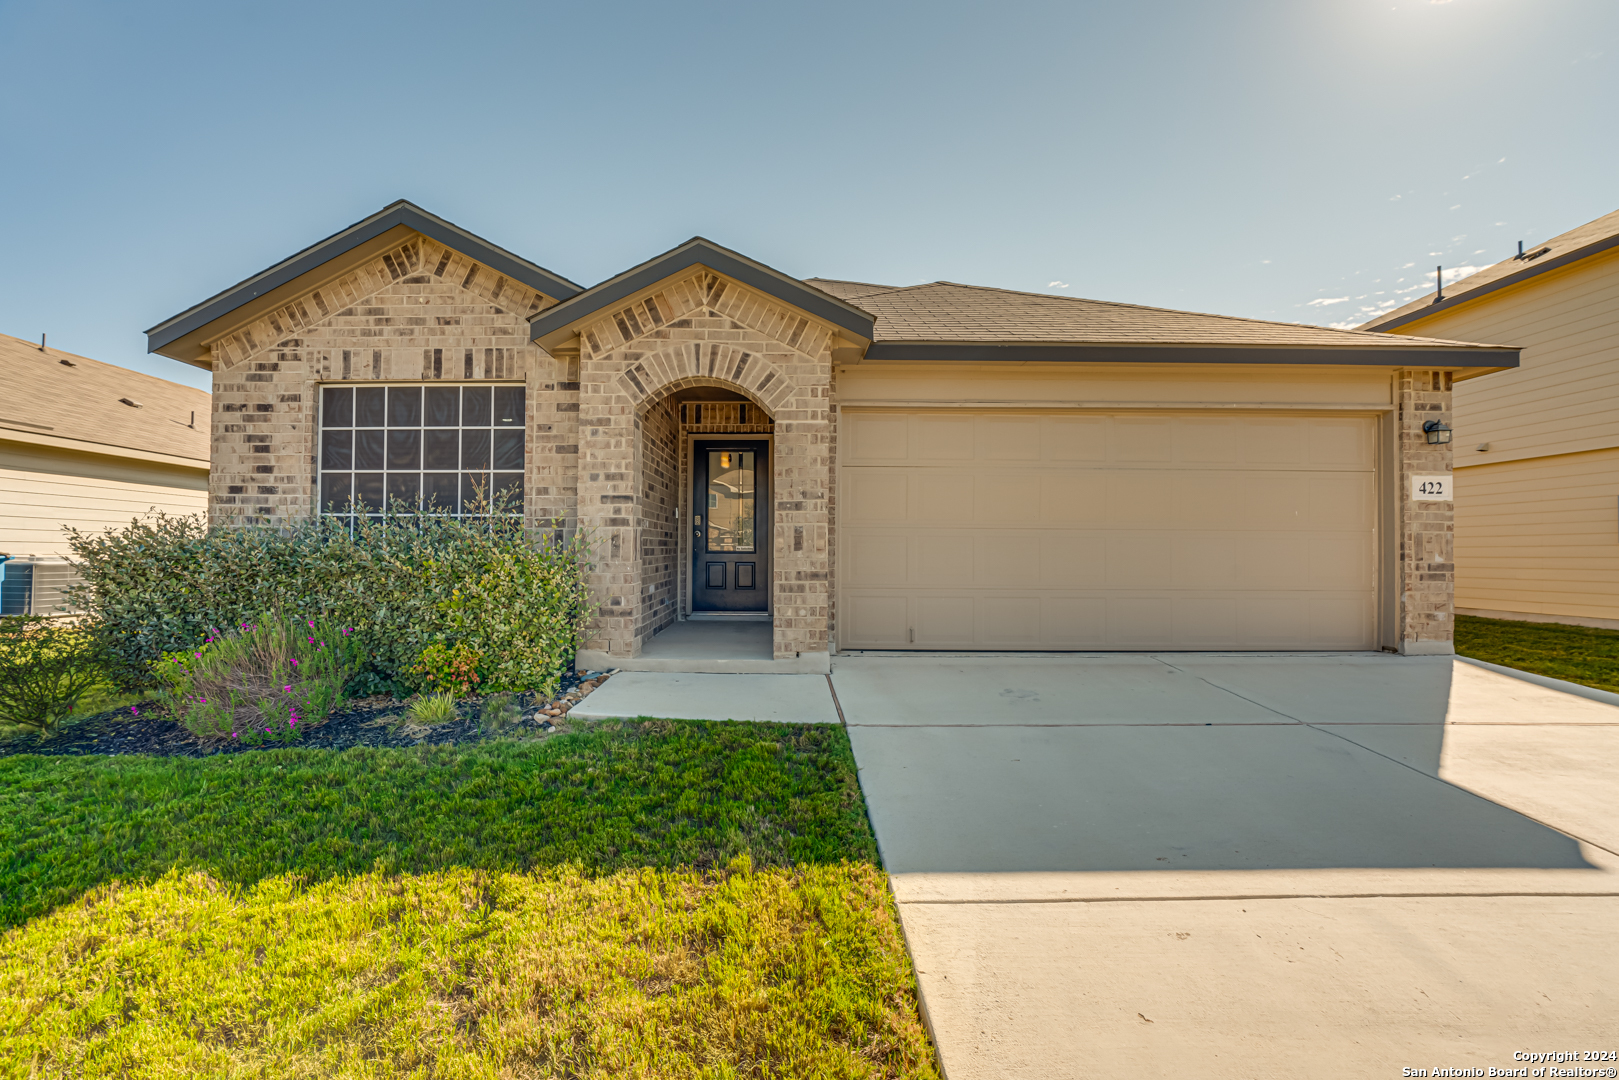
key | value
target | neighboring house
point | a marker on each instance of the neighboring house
(1537, 448)
(868, 467)
(89, 445)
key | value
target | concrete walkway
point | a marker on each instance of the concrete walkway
(1218, 866)
(784, 699)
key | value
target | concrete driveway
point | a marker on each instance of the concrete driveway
(1243, 866)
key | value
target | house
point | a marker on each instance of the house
(86, 444)
(1537, 446)
(855, 466)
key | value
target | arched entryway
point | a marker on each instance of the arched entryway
(706, 526)
(759, 375)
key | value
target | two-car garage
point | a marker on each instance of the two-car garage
(1028, 529)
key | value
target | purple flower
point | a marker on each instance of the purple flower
(133, 711)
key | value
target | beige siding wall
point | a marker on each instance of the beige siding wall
(1540, 537)
(1074, 384)
(1564, 396)
(43, 490)
(1535, 513)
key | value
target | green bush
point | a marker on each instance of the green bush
(267, 681)
(453, 668)
(163, 584)
(46, 667)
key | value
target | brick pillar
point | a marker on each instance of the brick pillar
(1427, 570)
(553, 436)
(608, 437)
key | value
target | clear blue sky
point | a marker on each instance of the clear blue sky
(1244, 157)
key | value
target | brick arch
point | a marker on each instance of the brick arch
(662, 393)
(697, 363)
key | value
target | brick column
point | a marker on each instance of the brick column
(1427, 570)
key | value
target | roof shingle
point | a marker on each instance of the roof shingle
(85, 400)
(1588, 239)
(945, 311)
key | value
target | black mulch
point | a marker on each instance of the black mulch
(376, 721)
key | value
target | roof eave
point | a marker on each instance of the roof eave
(556, 325)
(1456, 300)
(1424, 356)
(181, 337)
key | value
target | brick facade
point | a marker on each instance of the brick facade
(1426, 571)
(419, 312)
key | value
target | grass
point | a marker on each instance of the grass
(612, 796)
(1579, 654)
(657, 898)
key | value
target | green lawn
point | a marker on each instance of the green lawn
(659, 898)
(1576, 653)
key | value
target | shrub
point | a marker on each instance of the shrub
(46, 667)
(498, 712)
(404, 583)
(431, 709)
(453, 668)
(267, 681)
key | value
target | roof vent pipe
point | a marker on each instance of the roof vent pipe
(1439, 275)
(42, 343)
(1520, 249)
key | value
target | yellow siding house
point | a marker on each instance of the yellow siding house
(1537, 446)
(86, 444)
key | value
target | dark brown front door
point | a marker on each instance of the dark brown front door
(730, 525)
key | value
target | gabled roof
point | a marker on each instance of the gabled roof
(947, 321)
(180, 337)
(1589, 239)
(90, 406)
(555, 323)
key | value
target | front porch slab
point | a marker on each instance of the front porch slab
(742, 647)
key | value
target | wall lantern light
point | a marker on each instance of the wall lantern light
(1438, 433)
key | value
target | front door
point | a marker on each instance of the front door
(730, 520)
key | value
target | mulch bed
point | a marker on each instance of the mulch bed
(375, 721)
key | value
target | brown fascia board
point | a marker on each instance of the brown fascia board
(554, 325)
(1418, 356)
(1450, 303)
(180, 337)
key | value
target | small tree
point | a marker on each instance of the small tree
(46, 667)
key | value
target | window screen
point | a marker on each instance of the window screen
(436, 448)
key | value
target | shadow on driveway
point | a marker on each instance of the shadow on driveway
(1171, 762)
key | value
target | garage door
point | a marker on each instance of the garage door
(1057, 530)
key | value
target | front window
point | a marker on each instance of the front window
(438, 449)
(730, 500)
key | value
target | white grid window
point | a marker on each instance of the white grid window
(440, 448)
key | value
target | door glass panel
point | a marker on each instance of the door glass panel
(730, 500)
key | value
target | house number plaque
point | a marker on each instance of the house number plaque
(1430, 489)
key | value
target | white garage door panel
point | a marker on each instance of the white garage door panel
(1055, 531)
